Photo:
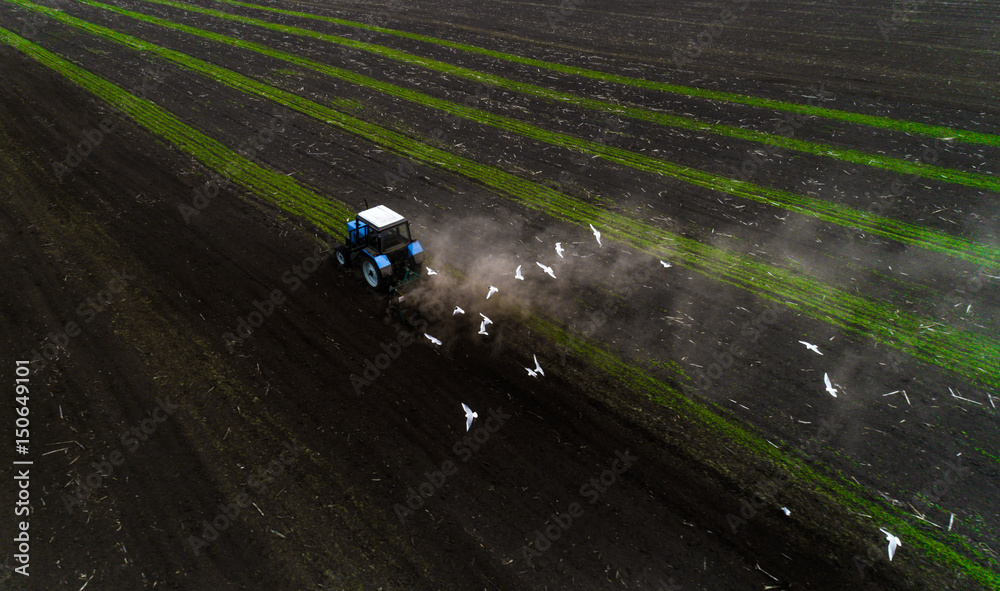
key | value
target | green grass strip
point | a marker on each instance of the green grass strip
(980, 255)
(971, 355)
(291, 196)
(844, 492)
(275, 187)
(930, 171)
(929, 130)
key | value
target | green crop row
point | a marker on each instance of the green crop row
(841, 490)
(983, 256)
(929, 130)
(327, 213)
(930, 171)
(972, 355)
(275, 187)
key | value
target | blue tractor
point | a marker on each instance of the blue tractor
(380, 238)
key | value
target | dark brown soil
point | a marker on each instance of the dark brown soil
(332, 514)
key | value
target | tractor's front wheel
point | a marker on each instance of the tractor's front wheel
(371, 273)
(342, 256)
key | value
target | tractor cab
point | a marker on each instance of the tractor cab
(380, 238)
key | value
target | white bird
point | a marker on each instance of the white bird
(787, 511)
(894, 543)
(485, 319)
(532, 372)
(596, 234)
(431, 271)
(469, 416)
(548, 270)
(559, 250)
(432, 339)
(492, 291)
(517, 273)
(665, 264)
(538, 367)
(458, 311)
(482, 329)
(829, 386)
(811, 347)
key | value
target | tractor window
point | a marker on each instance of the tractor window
(361, 233)
(395, 237)
(367, 236)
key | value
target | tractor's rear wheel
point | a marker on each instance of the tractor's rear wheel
(371, 273)
(342, 256)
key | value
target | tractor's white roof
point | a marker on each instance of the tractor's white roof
(380, 217)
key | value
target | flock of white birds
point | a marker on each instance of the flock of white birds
(471, 415)
(493, 290)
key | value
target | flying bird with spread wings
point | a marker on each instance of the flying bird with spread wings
(548, 270)
(812, 347)
(469, 416)
(596, 234)
(894, 543)
(829, 385)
